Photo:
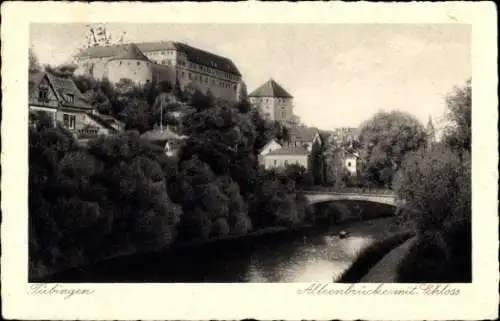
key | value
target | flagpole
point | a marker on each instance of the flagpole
(161, 116)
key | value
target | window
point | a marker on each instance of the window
(275, 162)
(43, 95)
(138, 63)
(348, 164)
(69, 121)
(286, 162)
(70, 98)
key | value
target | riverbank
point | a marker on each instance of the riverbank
(345, 214)
(442, 256)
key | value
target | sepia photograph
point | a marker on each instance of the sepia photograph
(267, 161)
(175, 153)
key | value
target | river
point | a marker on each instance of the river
(311, 255)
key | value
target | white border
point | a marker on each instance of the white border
(237, 301)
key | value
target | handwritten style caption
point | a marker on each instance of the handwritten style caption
(380, 289)
(57, 289)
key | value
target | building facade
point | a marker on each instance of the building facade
(273, 102)
(163, 61)
(281, 157)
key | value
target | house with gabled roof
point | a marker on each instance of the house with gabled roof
(59, 98)
(273, 101)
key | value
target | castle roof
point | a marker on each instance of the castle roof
(130, 51)
(289, 150)
(195, 55)
(270, 89)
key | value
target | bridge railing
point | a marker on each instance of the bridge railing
(349, 190)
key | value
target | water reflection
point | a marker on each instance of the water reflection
(310, 256)
(313, 259)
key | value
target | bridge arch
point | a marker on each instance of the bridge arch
(323, 197)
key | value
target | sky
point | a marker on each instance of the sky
(338, 74)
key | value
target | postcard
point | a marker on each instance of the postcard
(249, 160)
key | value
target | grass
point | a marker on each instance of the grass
(440, 257)
(369, 257)
(443, 256)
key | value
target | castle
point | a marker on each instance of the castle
(168, 61)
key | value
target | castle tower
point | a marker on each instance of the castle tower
(273, 101)
(131, 64)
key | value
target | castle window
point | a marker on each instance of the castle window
(120, 63)
(348, 164)
(138, 63)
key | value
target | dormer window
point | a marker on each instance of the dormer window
(70, 98)
(43, 95)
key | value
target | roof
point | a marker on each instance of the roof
(158, 135)
(34, 79)
(62, 85)
(302, 133)
(130, 51)
(103, 122)
(195, 55)
(270, 89)
(289, 150)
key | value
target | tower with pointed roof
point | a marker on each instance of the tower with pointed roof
(273, 101)
(131, 64)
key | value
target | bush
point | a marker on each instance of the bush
(298, 174)
(436, 187)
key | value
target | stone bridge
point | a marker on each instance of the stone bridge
(320, 197)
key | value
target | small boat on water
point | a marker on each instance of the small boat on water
(343, 234)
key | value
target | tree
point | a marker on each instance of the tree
(34, 65)
(299, 175)
(435, 185)
(385, 139)
(334, 169)
(459, 103)
(318, 163)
